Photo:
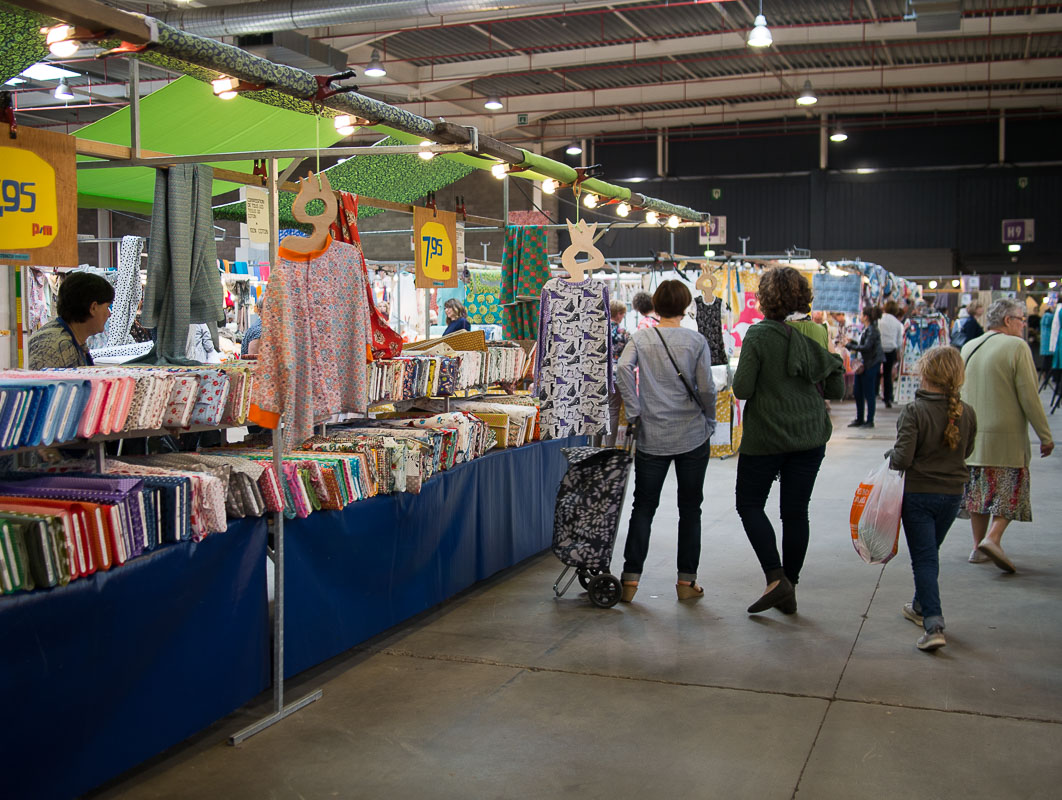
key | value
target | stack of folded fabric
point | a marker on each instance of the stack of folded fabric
(413, 376)
(521, 417)
(505, 362)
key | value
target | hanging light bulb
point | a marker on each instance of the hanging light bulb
(1028, 281)
(673, 221)
(932, 284)
(651, 217)
(549, 186)
(807, 95)
(574, 149)
(493, 103)
(62, 91)
(60, 41)
(345, 124)
(374, 69)
(590, 200)
(225, 88)
(499, 171)
(838, 135)
(623, 210)
(1052, 284)
(1014, 248)
(760, 35)
(954, 283)
(427, 155)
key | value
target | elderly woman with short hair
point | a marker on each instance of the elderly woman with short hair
(1001, 385)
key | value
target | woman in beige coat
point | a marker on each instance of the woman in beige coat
(1001, 386)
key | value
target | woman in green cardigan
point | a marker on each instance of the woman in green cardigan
(785, 377)
(1001, 385)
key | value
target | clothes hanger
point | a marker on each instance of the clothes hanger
(310, 189)
(707, 282)
(582, 242)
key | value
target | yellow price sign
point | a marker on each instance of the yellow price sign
(29, 216)
(436, 262)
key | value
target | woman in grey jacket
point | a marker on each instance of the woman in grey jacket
(866, 381)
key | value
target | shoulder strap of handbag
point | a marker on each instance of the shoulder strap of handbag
(967, 360)
(689, 389)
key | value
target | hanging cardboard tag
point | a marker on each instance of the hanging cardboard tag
(257, 214)
(435, 246)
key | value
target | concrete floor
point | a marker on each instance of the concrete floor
(507, 692)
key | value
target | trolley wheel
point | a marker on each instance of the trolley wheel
(604, 590)
(587, 575)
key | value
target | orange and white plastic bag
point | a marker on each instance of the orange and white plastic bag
(875, 517)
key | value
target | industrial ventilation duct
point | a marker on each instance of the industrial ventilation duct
(935, 16)
(286, 15)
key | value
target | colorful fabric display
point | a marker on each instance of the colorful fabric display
(525, 270)
(482, 297)
(836, 293)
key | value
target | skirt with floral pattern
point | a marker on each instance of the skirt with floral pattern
(1000, 491)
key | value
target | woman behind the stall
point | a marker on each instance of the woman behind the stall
(83, 306)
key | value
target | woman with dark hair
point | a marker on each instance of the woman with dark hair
(672, 401)
(785, 376)
(457, 316)
(83, 306)
(866, 378)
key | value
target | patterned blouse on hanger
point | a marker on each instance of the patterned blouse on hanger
(710, 325)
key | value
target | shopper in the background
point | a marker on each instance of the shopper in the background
(1047, 350)
(784, 377)
(866, 378)
(891, 345)
(620, 337)
(456, 315)
(83, 308)
(934, 435)
(1001, 385)
(642, 302)
(252, 337)
(672, 401)
(970, 328)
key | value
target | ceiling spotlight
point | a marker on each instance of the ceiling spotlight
(954, 283)
(673, 221)
(499, 171)
(225, 88)
(651, 217)
(427, 155)
(760, 35)
(1052, 284)
(62, 91)
(574, 149)
(838, 135)
(345, 124)
(493, 103)
(60, 41)
(622, 210)
(932, 284)
(374, 69)
(549, 186)
(1014, 248)
(1028, 281)
(807, 95)
(590, 200)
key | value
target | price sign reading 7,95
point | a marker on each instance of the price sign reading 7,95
(435, 245)
(28, 214)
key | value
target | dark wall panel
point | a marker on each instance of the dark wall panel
(744, 155)
(887, 211)
(940, 145)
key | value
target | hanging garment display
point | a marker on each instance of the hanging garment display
(836, 293)
(710, 325)
(920, 333)
(525, 270)
(573, 375)
(183, 286)
(386, 343)
(128, 292)
(315, 340)
(482, 297)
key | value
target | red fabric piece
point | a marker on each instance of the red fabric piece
(386, 343)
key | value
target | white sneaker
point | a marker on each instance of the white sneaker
(911, 614)
(977, 557)
(932, 640)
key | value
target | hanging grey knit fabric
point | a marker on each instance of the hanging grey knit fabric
(183, 284)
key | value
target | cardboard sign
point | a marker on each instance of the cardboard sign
(257, 214)
(435, 246)
(38, 198)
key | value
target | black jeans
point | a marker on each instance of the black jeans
(649, 474)
(886, 376)
(796, 473)
(866, 383)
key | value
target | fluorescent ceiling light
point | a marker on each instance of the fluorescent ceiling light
(374, 69)
(838, 135)
(14, 82)
(760, 35)
(493, 103)
(574, 149)
(807, 95)
(46, 72)
(865, 171)
(1014, 248)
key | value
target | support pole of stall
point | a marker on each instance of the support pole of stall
(134, 108)
(279, 709)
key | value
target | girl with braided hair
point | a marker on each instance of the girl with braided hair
(934, 437)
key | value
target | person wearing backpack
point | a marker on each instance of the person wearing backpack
(934, 437)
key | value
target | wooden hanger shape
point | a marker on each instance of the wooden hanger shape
(311, 189)
(707, 282)
(582, 242)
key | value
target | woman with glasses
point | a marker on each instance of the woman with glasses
(1001, 385)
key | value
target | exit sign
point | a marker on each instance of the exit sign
(1019, 231)
(521, 119)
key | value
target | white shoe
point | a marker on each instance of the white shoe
(977, 557)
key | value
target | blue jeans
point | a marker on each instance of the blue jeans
(926, 520)
(649, 474)
(866, 389)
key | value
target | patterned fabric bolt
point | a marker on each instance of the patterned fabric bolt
(573, 377)
(481, 297)
(589, 500)
(525, 270)
(127, 292)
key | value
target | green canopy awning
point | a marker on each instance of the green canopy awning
(185, 118)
